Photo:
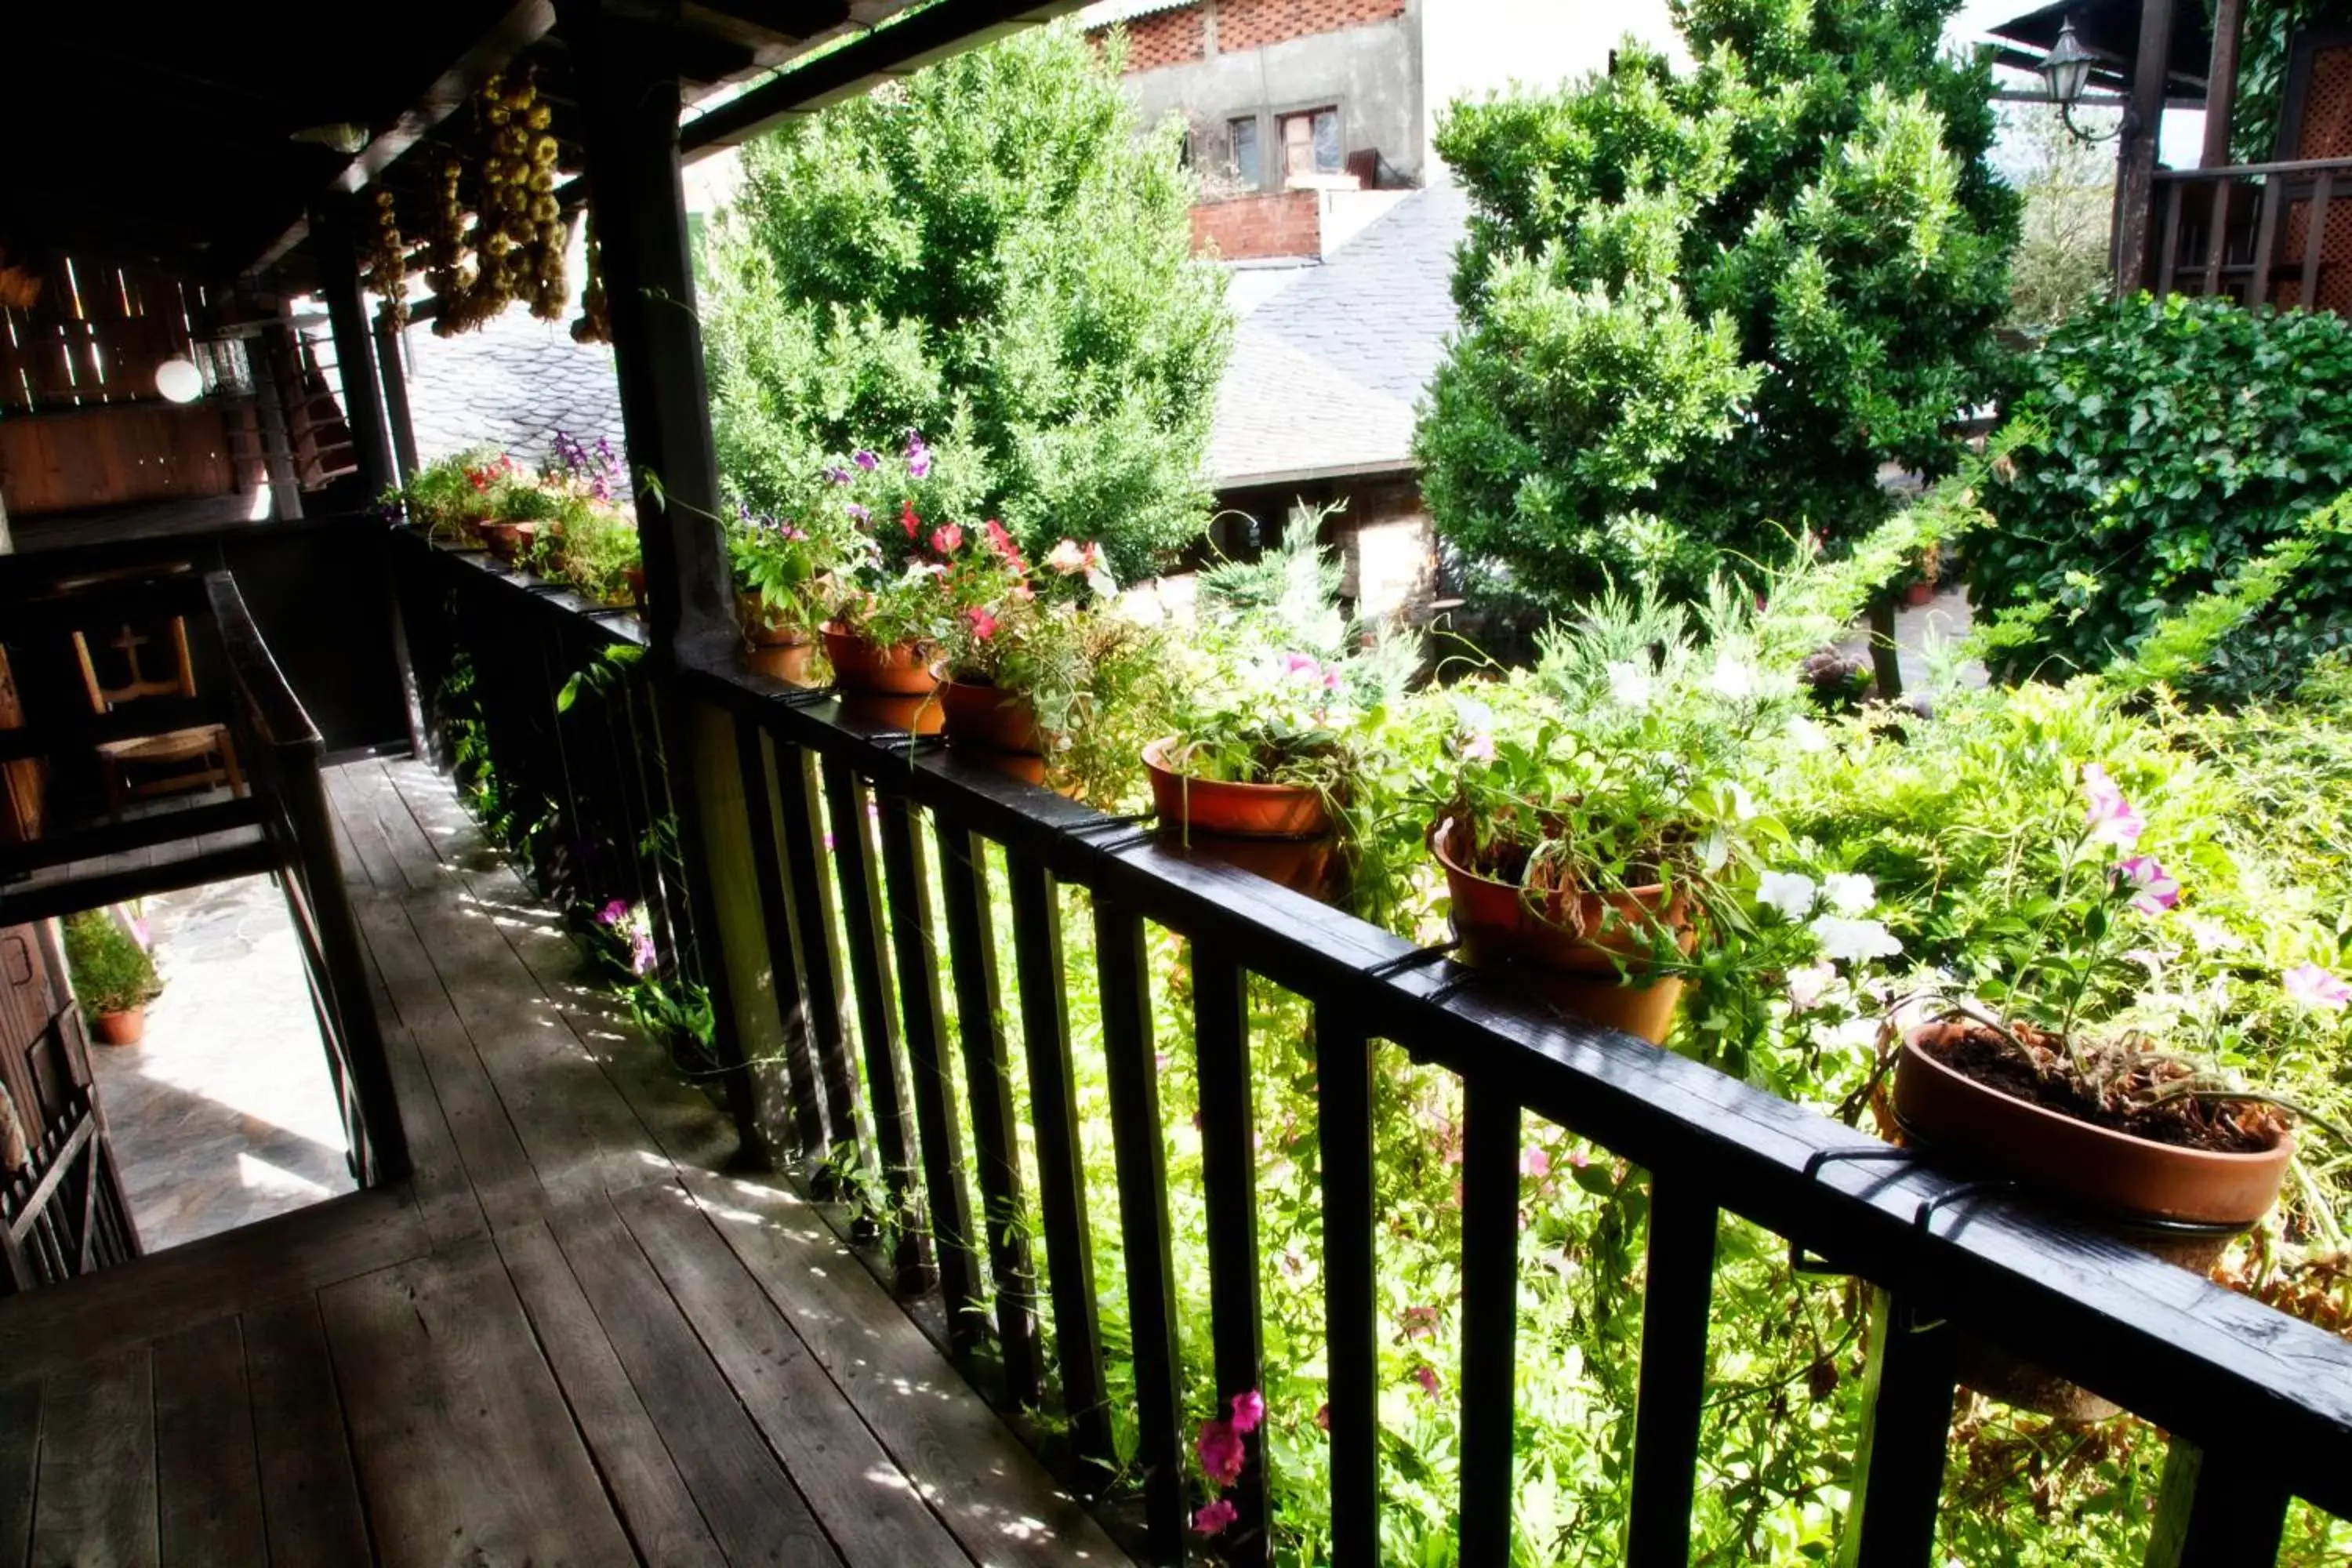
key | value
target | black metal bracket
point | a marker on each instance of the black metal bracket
(1102, 823)
(1124, 841)
(1797, 1262)
(806, 697)
(1453, 986)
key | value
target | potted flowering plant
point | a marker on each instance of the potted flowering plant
(887, 610)
(113, 977)
(1595, 822)
(783, 576)
(450, 497)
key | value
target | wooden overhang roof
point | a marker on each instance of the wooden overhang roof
(2110, 30)
(169, 136)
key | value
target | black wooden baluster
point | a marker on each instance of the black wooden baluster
(784, 959)
(1675, 1302)
(1061, 1173)
(988, 1083)
(2218, 1508)
(1343, 1080)
(910, 890)
(878, 1029)
(1899, 1466)
(1228, 1188)
(1490, 1315)
(1139, 1146)
(813, 920)
(2219, 227)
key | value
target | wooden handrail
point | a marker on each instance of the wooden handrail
(2247, 170)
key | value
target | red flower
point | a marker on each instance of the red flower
(1221, 1452)
(1002, 543)
(983, 625)
(1249, 1409)
(909, 521)
(947, 540)
(1214, 1517)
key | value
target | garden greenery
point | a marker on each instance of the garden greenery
(2171, 443)
(1703, 307)
(988, 253)
(112, 972)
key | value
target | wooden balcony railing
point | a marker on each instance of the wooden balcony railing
(2257, 1406)
(2275, 244)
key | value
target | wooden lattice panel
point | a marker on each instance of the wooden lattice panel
(2327, 128)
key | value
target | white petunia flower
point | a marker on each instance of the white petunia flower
(1855, 1035)
(1810, 737)
(1731, 681)
(1849, 893)
(1790, 892)
(1630, 684)
(1808, 985)
(1743, 804)
(1847, 940)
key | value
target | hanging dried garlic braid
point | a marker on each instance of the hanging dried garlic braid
(595, 322)
(387, 268)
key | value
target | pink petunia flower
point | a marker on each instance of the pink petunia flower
(640, 954)
(2111, 818)
(1420, 1322)
(2309, 986)
(1478, 749)
(947, 540)
(983, 625)
(2157, 889)
(1292, 663)
(1214, 1517)
(1535, 1162)
(1249, 1409)
(1221, 1452)
(1426, 1376)
(613, 914)
(909, 521)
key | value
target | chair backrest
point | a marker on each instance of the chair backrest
(181, 682)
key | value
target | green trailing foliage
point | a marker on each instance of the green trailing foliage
(988, 253)
(2173, 445)
(112, 972)
(1702, 307)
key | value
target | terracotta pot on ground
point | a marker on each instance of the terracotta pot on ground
(1918, 595)
(2183, 1205)
(858, 666)
(1280, 832)
(127, 1027)
(976, 714)
(1576, 972)
(635, 578)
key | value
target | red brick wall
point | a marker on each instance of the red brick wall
(1253, 23)
(1166, 39)
(1288, 223)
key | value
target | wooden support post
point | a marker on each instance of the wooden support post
(1899, 1466)
(273, 350)
(338, 269)
(392, 366)
(2217, 1508)
(626, 76)
(2136, 159)
(2222, 82)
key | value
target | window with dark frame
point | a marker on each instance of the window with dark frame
(1244, 132)
(1311, 143)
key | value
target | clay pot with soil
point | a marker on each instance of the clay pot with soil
(127, 1027)
(1583, 951)
(903, 670)
(2180, 1179)
(980, 713)
(1282, 832)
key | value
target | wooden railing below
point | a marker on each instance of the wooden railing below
(2283, 239)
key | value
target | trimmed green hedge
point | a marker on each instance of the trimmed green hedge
(2176, 440)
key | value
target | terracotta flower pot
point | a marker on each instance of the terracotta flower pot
(127, 1027)
(858, 666)
(1919, 594)
(919, 715)
(1577, 971)
(1239, 810)
(2182, 1205)
(790, 662)
(508, 540)
(635, 578)
(987, 716)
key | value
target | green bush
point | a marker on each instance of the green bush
(2172, 443)
(988, 254)
(112, 972)
(1700, 303)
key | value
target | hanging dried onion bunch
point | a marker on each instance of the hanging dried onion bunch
(595, 322)
(388, 266)
(446, 244)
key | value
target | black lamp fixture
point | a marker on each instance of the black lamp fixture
(2066, 71)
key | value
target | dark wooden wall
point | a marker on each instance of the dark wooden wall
(116, 454)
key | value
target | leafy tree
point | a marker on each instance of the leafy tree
(1700, 303)
(988, 253)
(2069, 186)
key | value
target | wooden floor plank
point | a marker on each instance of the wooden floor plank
(310, 1492)
(466, 1451)
(207, 1484)
(654, 1501)
(865, 1503)
(356, 816)
(445, 1201)
(936, 1428)
(503, 1178)
(95, 1499)
(106, 1313)
(754, 1510)
(412, 854)
(20, 1452)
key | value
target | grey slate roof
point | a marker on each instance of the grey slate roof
(512, 384)
(1326, 371)
(1326, 365)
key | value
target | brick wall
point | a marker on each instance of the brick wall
(1253, 23)
(1287, 223)
(1166, 39)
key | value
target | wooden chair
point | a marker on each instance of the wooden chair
(21, 781)
(207, 745)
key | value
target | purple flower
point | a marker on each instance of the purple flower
(2112, 819)
(919, 456)
(613, 914)
(866, 459)
(1214, 1517)
(859, 515)
(2157, 889)
(641, 953)
(837, 474)
(2309, 986)
(1249, 1409)
(1221, 1451)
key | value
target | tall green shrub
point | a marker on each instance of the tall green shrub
(1700, 303)
(990, 253)
(2176, 441)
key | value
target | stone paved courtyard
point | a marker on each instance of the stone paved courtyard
(224, 1114)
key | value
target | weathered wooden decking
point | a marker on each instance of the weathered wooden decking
(566, 1340)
